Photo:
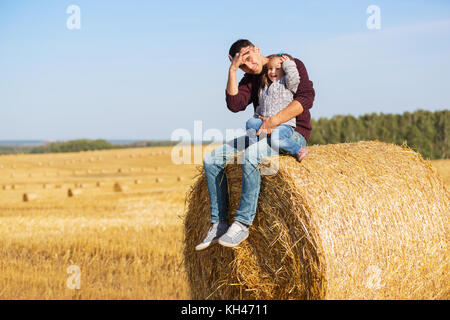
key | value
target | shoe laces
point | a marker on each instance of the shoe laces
(234, 229)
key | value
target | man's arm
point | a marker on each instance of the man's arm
(242, 96)
(305, 93)
(292, 110)
(238, 97)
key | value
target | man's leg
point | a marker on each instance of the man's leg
(214, 164)
(251, 180)
(252, 126)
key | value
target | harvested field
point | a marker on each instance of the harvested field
(128, 245)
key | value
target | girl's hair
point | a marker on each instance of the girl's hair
(264, 79)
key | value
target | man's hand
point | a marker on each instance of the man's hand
(238, 59)
(267, 126)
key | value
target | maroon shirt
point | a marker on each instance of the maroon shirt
(248, 93)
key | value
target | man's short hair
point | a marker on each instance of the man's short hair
(238, 45)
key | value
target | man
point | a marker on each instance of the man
(246, 56)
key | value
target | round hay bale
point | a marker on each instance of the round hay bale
(15, 186)
(137, 181)
(73, 192)
(158, 180)
(118, 187)
(6, 187)
(179, 178)
(100, 184)
(366, 220)
(28, 197)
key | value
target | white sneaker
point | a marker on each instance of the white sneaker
(214, 233)
(237, 233)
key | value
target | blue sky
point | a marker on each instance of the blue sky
(141, 69)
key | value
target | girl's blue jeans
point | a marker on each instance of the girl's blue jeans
(214, 163)
(279, 139)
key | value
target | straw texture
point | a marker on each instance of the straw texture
(366, 220)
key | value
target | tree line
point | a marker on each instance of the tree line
(424, 131)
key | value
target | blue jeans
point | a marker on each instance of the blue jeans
(279, 139)
(214, 164)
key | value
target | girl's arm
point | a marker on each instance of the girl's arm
(292, 76)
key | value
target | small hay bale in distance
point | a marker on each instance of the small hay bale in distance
(137, 181)
(179, 178)
(366, 220)
(28, 196)
(6, 187)
(100, 183)
(119, 187)
(73, 192)
(158, 180)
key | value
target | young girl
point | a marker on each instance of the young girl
(278, 86)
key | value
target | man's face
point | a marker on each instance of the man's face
(252, 60)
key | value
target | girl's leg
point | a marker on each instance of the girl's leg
(281, 139)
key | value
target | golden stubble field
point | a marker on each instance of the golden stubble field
(119, 245)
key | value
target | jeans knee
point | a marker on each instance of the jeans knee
(208, 161)
(253, 123)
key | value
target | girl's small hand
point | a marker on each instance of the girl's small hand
(284, 58)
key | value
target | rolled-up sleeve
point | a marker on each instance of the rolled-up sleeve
(305, 93)
(240, 101)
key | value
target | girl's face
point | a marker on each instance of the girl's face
(274, 69)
